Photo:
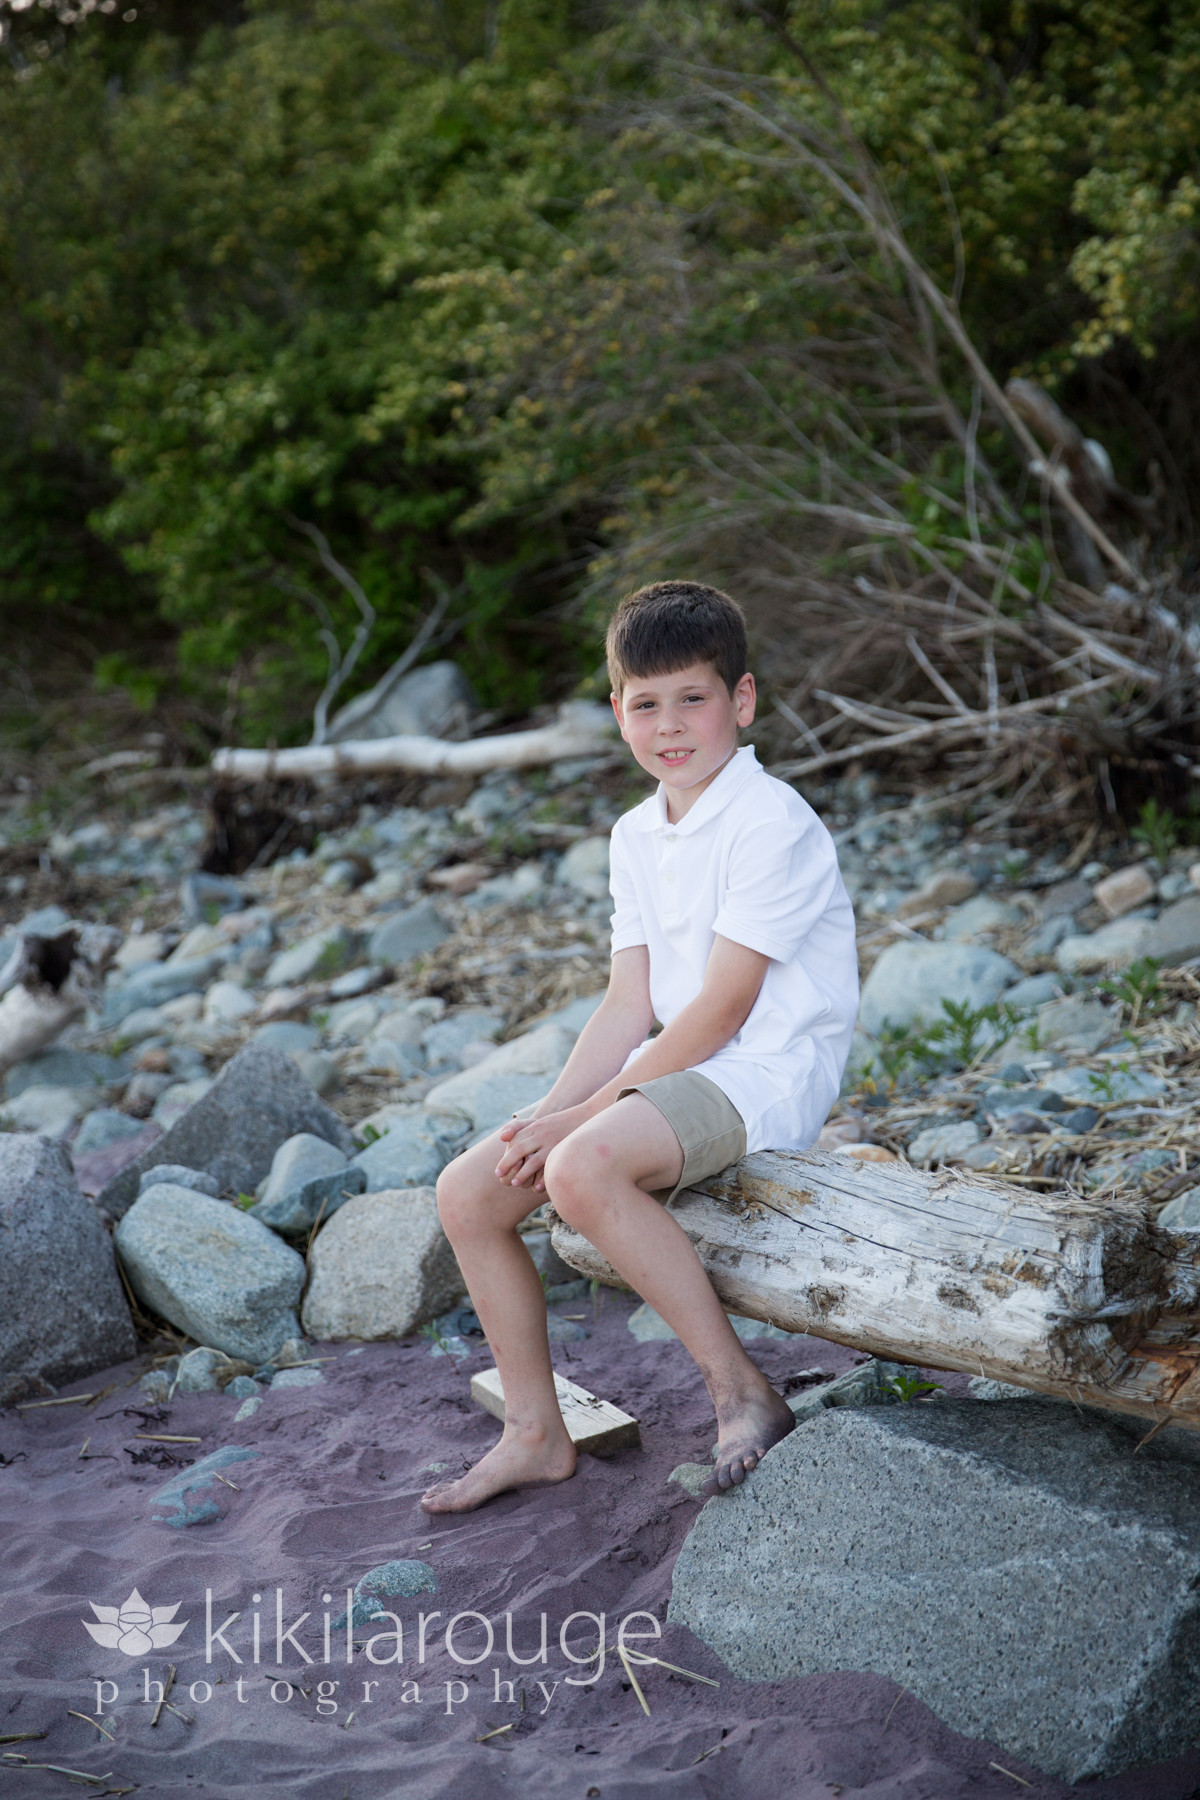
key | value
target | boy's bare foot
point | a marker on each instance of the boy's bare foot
(743, 1438)
(517, 1461)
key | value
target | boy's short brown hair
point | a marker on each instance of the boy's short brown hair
(671, 624)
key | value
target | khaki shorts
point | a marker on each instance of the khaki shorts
(706, 1122)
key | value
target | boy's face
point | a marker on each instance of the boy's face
(682, 727)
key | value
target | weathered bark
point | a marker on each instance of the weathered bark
(47, 984)
(581, 729)
(1084, 1300)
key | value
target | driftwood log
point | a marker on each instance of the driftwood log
(582, 728)
(48, 983)
(1081, 1299)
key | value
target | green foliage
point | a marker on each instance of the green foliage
(245, 1201)
(904, 1387)
(961, 1029)
(518, 295)
(1139, 988)
(1103, 1083)
(1158, 828)
(368, 1135)
(956, 1040)
(117, 670)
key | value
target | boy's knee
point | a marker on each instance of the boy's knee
(567, 1183)
(455, 1195)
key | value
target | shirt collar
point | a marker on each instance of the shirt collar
(652, 814)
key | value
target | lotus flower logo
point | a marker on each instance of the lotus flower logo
(134, 1627)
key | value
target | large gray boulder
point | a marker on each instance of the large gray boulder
(1014, 1565)
(435, 701)
(259, 1099)
(213, 1271)
(910, 981)
(522, 1070)
(63, 1311)
(380, 1268)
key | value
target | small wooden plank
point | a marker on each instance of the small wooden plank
(594, 1425)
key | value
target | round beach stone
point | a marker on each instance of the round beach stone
(910, 981)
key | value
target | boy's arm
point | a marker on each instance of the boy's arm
(620, 1023)
(732, 981)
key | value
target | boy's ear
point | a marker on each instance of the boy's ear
(746, 696)
(620, 716)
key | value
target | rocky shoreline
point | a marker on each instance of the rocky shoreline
(313, 1035)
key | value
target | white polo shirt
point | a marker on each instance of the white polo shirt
(751, 862)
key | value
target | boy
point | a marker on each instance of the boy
(733, 928)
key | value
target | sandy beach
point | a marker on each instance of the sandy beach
(331, 1493)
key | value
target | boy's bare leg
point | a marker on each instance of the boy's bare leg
(480, 1215)
(597, 1179)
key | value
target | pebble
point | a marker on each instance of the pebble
(946, 887)
(982, 914)
(1183, 1212)
(945, 1143)
(1120, 893)
(398, 939)
(1114, 946)
(296, 1378)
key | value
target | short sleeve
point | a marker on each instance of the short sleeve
(627, 927)
(782, 876)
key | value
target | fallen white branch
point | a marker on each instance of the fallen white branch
(47, 984)
(581, 729)
(960, 725)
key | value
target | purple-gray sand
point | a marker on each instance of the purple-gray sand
(334, 1494)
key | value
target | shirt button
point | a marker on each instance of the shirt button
(669, 875)
(671, 837)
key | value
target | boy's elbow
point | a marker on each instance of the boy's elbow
(729, 1019)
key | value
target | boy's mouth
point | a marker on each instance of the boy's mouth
(673, 758)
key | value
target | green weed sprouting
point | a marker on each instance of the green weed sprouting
(907, 1387)
(954, 1041)
(1103, 1083)
(1138, 988)
(330, 960)
(1159, 829)
(436, 1336)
